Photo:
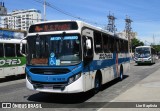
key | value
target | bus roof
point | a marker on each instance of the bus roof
(82, 23)
(78, 21)
(143, 46)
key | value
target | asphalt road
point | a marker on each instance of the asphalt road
(16, 91)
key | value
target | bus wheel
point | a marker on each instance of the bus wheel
(97, 84)
(121, 74)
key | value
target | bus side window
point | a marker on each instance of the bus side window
(120, 45)
(98, 42)
(112, 44)
(153, 51)
(1, 50)
(10, 50)
(109, 44)
(117, 45)
(105, 44)
(126, 46)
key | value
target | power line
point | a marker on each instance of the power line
(67, 13)
(58, 9)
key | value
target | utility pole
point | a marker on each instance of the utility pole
(111, 23)
(44, 5)
(128, 32)
(153, 40)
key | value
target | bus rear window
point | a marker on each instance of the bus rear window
(10, 50)
(1, 50)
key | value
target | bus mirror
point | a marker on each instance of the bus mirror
(88, 44)
(21, 47)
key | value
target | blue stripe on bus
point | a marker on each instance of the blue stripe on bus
(99, 64)
(94, 65)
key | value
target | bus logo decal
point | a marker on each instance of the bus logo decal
(52, 59)
(10, 62)
(106, 56)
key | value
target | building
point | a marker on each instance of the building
(3, 10)
(21, 19)
(132, 35)
(2, 25)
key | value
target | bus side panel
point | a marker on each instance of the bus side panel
(126, 67)
(9, 71)
(88, 80)
(107, 75)
(13, 71)
(2, 73)
(21, 69)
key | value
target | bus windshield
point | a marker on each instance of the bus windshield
(142, 52)
(54, 50)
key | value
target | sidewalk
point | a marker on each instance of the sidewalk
(147, 90)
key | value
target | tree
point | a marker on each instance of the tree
(135, 42)
(157, 48)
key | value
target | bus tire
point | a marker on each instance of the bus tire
(97, 83)
(121, 73)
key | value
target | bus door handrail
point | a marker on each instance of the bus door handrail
(21, 46)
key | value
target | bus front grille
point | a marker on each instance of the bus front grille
(49, 71)
(42, 85)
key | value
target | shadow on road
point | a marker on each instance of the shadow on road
(68, 98)
(61, 98)
(12, 78)
(142, 64)
(113, 82)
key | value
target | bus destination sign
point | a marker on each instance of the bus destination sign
(47, 27)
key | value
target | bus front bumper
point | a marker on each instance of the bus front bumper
(75, 87)
(143, 61)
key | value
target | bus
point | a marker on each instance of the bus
(144, 55)
(70, 56)
(11, 61)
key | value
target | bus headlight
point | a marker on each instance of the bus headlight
(74, 78)
(149, 58)
(135, 58)
(28, 77)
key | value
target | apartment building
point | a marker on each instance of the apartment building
(21, 19)
(3, 9)
(3, 12)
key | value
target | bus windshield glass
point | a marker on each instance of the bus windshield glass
(142, 52)
(53, 50)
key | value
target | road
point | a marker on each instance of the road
(16, 91)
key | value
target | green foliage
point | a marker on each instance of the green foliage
(157, 48)
(135, 42)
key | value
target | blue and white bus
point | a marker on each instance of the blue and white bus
(73, 56)
(145, 54)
